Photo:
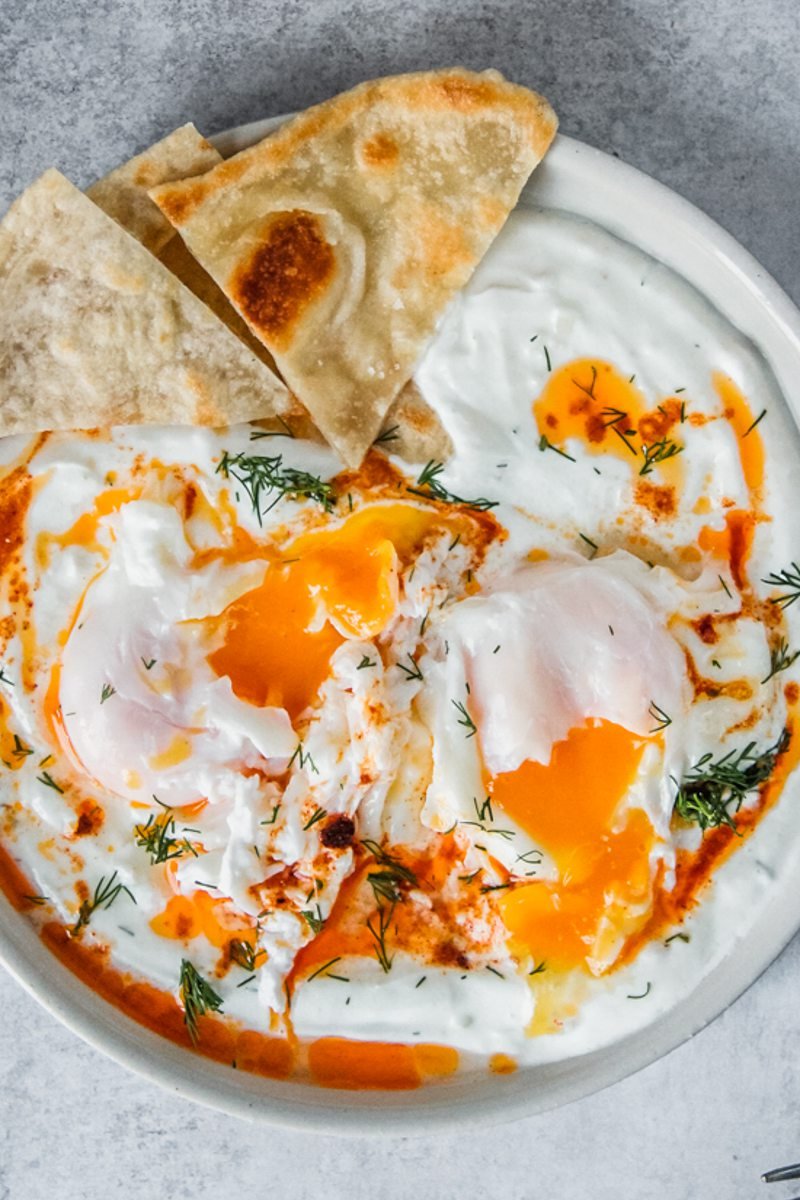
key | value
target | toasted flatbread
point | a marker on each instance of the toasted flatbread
(123, 192)
(94, 331)
(342, 236)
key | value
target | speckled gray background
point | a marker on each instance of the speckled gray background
(704, 95)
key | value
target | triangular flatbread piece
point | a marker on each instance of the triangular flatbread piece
(123, 192)
(411, 428)
(94, 331)
(341, 237)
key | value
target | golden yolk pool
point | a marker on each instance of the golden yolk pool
(569, 809)
(330, 585)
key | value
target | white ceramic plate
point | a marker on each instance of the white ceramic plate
(585, 181)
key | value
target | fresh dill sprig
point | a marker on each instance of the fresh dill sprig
(105, 893)
(546, 444)
(465, 719)
(640, 995)
(271, 820)
(385, 885)
(366, 661)
(197, 996)
(484, 810)
(314, 920)
(303, 760)
(750, 428)
(658, 452)
(256, 435)
(316, 816)
(429, 479)
(592, 545)
(4, 678)
(385, 859)
(158, 838)
(47, 779)
(243, 953)
(659, 716)
(484, 813)
(388, 435)
(148, 663)
(20, 749)
(107, 692)
(324, 968)
(384, 916)
(780, 659)
(789, 580)
(264, 478)
(713, 789)
(412, 672)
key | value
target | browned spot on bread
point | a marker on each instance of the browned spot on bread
(381, 150)
(463, 92)
(286, 273)
(792, 693)
(659, 501)
(178, 203)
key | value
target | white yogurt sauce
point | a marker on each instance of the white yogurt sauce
(551, 289)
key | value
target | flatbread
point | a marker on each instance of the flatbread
(94, 331)
(413, 428)
(342, 236)
(123, 192)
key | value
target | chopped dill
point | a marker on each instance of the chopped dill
(658, 452)
(640, 995)
(593, 545)
(465, 719)
(243, 953)
(713, 788)
(790, 581)
(316, 816)
(314, 920)
(302, 760)
(47, 779)
(780, 659)
(158, 838)
(20, 749)
(107, 692)
(659, 716)
(434, 490)
(546, 444)
(264, 478)
(105, 893)
(758, 419)
(197, 996)
(412, 672)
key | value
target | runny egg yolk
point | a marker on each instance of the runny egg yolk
(569, 809)
(329, 585)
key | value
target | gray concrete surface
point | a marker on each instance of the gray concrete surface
(705, 96)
